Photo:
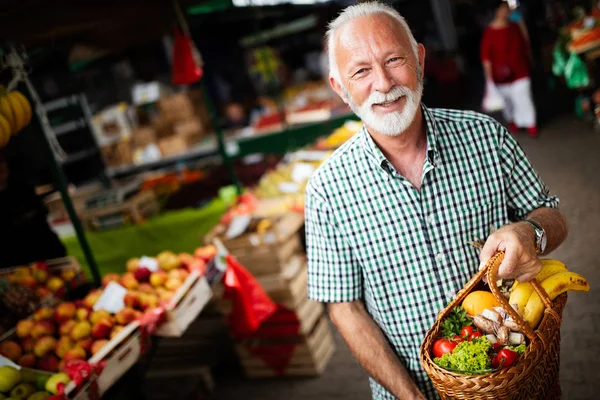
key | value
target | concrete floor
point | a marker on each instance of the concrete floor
(567, 157)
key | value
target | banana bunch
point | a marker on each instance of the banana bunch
(342, 134)
(15, 114)
(555, 279)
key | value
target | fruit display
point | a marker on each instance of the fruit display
(339, 136)
(480, 337)
(15, 114)
(25, 384)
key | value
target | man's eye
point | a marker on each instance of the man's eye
(360, 71)
(395, 60)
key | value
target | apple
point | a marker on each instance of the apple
(64, 343)
(81, 330)
(55, 283)
(22, 391)
(168, 260)
(131, 299)
(43, 395)
(115, 331)
(98, 315)
(85, 344)
(142, 274)
(146, 288)
(128, 281)
(27, 360)
(68, 274)
(76, 353)
(132, 264)
(43, 328)
(27, 344)
(44, 345)
(42, 291)
(164, 294)
(66, 327)
(179, 273)
(158, 278)
(102, 328)
(91, 298)
(111, 277)
(64, 312)
(28, 281)
(48, 363)
(9, 377)
(149, 301)
(23, 328)
(40, 274)
(11, 350)
(20, 272)
(82, 314)
(97, 345)
(173, 283)
(55, 380)
(125, 316)
(206, 253)
(43, 313)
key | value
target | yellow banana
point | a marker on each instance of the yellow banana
(521, 291)
(5, 130)
(7, 111)
(18, 111)
(25, 106)
(549, 269)
(551, 261)
(554, 286)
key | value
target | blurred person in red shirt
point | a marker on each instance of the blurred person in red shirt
(506, 59)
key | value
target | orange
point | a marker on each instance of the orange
(476, 302)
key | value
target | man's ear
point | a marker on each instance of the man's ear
(338, 89)
(421, 50)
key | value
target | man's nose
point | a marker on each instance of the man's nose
(383, 82)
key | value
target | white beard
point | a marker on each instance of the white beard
(392, 123)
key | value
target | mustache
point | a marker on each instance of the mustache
(393, 94)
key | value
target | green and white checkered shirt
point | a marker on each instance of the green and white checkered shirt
(372, 236)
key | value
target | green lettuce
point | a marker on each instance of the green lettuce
(467, 356)
(518, 349)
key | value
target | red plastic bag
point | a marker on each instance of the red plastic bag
(187, 64)
(251, 304)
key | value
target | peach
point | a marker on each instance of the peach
(43, 328)
(97, 345)
(42, 291)
(27, 344)
(102, 328)
(85, 344)
(128, 281)
(66, 327)
(91, 298)
(158, 278)
(11, 350)
(43, 313)
(40, 275)
(24, 328)
(173, 283)
(55, 283)
(27, 360)
(125, 316)
(76, 353)
(81, 330)
(178, 273)
(168, 260)
(206, 253)
(48, 363)
(64, 344)
(146, 288)
(115, 331)
(132, 264)
(44, 345)
(111, 277)
(68, 274)
(28, 281)
(98, 315)
(148, 301)
(64, 312)
(82, 314)
(131, 299)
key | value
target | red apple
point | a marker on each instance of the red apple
(142, 274)
(81, 330)
(111, 277)
(55, 283)
(43, 313)
(66, 327)
(128, 281)
(64, 312)
(24, 327)
(85, 344)
(44, 345)
(11, 350)
(125, 316)
(27, 344)
(91, 298)
(97, 345)
(82, 314)
(43, 328)
(64, 344)
(158, 278)
(146, 288)
(131, 299)
(27, 361)
(102, 329)
(48, 363)
(98, 315)
(76, 353)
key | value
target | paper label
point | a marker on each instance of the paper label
(222, 252)
(5, 362)
(112, 298)
(149, 262)
(238, 225)
(302, 172)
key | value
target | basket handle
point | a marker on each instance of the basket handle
(491, 268)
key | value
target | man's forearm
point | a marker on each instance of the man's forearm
(554, 223)
(369, 346)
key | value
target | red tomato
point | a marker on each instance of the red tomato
(474, 335)
(495, 361)
(466, 331)
(443, 346)
(458, 339)
(497, 346)
(507, 357)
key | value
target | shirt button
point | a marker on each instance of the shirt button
(440, 257)
(431, 219)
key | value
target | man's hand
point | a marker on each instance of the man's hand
(520, 257)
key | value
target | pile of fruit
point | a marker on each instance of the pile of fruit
(480, 336)
(44, 280)
(339, 136)
(282, 181)
(28, 384)
(15, 114)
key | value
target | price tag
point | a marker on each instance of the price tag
(232, 148)
(302, 172)
(5, 362)
(149, 262)
(112, 298)
(222, 252)
(238, 226)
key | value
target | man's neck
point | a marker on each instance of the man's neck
(499, 23)
(408, 142)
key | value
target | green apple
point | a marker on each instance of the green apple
(22, 390)
(40, 381)
(39, 396)
(9, 377)
(28, 375)
(52, 384)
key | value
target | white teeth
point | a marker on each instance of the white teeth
(389, 103)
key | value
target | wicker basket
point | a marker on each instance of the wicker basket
(534, 376)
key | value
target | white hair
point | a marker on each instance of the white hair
(356, 11)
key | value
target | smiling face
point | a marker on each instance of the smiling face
(381, 76)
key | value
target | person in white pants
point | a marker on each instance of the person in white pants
(518, 104)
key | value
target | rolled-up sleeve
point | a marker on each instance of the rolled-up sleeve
(525, 190)
(334, 274)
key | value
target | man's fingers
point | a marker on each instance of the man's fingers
(488, 250)
(508, 263)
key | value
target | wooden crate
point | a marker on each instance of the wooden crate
(309, 357)
(135, 210)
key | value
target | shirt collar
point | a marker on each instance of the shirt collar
(375, 154)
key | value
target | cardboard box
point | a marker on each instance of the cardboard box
(117, 154)
(177, 144)
(144, 136)
(189, 127)
(176, 107)
(112, 125)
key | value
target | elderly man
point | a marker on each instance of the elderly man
(390, 214)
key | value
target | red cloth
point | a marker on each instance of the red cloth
(506, 49)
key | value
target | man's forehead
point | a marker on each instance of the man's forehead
(374, 29)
